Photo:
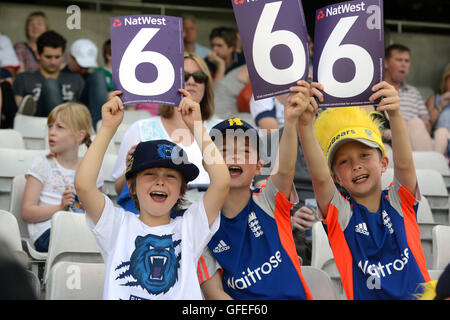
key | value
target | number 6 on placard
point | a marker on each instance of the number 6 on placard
(134, 56)
(333, 51)
(265, 40)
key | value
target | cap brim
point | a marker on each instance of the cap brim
(343, 141)
(188, 170)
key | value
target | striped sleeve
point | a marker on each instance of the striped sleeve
(207, 266)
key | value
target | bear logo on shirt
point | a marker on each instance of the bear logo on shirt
(153, 264)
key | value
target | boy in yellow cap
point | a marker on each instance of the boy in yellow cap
(373, 233)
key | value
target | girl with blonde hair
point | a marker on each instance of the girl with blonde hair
(50, 179)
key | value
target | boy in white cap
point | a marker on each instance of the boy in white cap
(373, 233)
(83, 55)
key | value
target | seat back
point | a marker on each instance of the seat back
(431, 160)
(14, 162)
(70, 240)
(321, 255)
(10, 138)
(75, 281)
(33, 130)
(424, 214)
(10, 234)
(15, 206)
(441, 252)
(107, 166)
(319, 283)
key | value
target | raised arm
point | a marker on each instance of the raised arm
(322, 181)
(212, 159)
(404, 169)
(296, 104)
(85, 180)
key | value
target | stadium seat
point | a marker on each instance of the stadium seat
(9, 232)
(432, 186)
(433, 160)
(75, 281)
(441, 252)
(33, 130)
(12, 139)
(319, 283)
(434, 274)
(322, 257)
(18, 188)
(70, 240)
(426, 224)
(14, 162)
(108, 187)
(131, 116)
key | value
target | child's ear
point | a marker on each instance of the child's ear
(336, 179)
(384, 164)
(81, 135)
(259, 166)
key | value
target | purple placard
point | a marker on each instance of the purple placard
(275, 42)
(148, 58)
(349, 51)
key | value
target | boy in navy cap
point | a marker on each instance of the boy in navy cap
(153, 256)
(254, 245)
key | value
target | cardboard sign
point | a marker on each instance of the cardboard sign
(275, 43)
(148, 58)
(349, 51)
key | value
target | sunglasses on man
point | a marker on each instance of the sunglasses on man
(199, 77)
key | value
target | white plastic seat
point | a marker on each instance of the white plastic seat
(432, 186)
(9, 232)
(131, 116)
(15, 207)
(33, 130)
(107, 166)
(13, 162)
(12, 139)
(75, 281)
(319, 283)
(426, 224)
(441, 251)
(322, 257)
(70, 240)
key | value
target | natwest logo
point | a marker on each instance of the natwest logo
(238, 2)
(117, 23)
(320, 15)
(345, 8)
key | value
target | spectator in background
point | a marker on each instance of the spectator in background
(397, 64)
(50, 179)
(223, 56)
(35, 25)
(107, 68)
(439, 109)
(83, 57)
(9, 65)
(38, 92)
(27, 52)
(190, 32)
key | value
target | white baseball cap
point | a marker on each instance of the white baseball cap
(85, 53)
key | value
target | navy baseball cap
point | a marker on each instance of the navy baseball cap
(161, 154)
(235, 126)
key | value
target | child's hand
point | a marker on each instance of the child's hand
(308, 116)
(190, 110)
(390, 101)
(67, 199)
(112, 111)
(297, 101)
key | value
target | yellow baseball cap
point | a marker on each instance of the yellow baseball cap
(337, 126)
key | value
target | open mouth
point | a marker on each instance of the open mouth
(158, 196)
(157, 267)
(360, 178)
(235, 171)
